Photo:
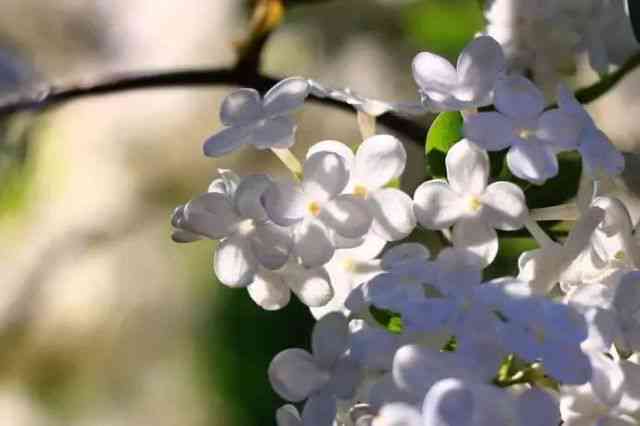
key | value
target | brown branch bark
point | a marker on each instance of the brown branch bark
(47, 97)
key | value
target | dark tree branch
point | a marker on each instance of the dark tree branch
(55, 95)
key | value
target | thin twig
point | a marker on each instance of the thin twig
(47, 97)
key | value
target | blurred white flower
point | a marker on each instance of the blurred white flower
(469, 85)
(261, 122)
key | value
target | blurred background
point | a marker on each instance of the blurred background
(103, 319)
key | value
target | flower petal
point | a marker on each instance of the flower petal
(285, 203)
(269, 291)
(349, 216)
(504, 206)
(599, 155)
(449, 403)
(533, 161)
(247, 198)
(294, 375)
(271, 244)
(242, 106)
(286, 96)
(277, 132)
(467, 168)
(288, 415)
(405, 252)
(336, 147)
(517, 97)
(437, 206)
(330, 338)
(393, 216)
(312, 243)
(319, 410)
(325, 176)
(559, 129)
(227, 140)
(479, 65)
(379, 159)
(211, 215)
(312, 286)
(434, 73)
(233, 262)
(489, 130)
(478, 237)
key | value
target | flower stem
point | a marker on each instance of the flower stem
(538, 233)
(290, 161)
(560, 212)
(366, 124)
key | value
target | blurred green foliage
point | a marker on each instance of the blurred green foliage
(443, 26)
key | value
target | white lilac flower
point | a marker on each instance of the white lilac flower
(455, 402)
(539, 329)
(315, 208)
(520, 123)
(469, 85)
(348, 268)
(599, 156)
(288, 415)
(609, 398)
(417, 368)
(379, 160)
(542, 268)
(271, 290)
(626, 304)
(612, 248)
(406, 272)
(261, 122)
(398, 414)
(247, 238)
(465, 202)
(595, 302)
(321, 376)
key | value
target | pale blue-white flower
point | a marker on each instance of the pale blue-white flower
(318, 377)
(315, 209)
(348, 268)
(469, 85)
(271, 290)
(599, 156)
(626, 304)
(520, 123)
(233, 214)
(261, 122)
(379, 160)
(466, 202)
(539, 329)
(609, 398)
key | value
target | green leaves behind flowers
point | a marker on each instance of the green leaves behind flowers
(445, 131)
(387, 319)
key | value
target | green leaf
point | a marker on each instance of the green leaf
(388, 319)
(445, 131)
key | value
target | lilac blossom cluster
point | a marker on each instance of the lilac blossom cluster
(411, 335)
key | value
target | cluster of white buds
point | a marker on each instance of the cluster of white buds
(408, 338)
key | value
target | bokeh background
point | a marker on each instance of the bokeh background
(103, 319)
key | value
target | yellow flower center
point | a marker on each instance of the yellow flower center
(348, 264)
(314, 208)
(360, 191)
(525, 133)
(474, 203)
(620, 255)
(246, 227)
